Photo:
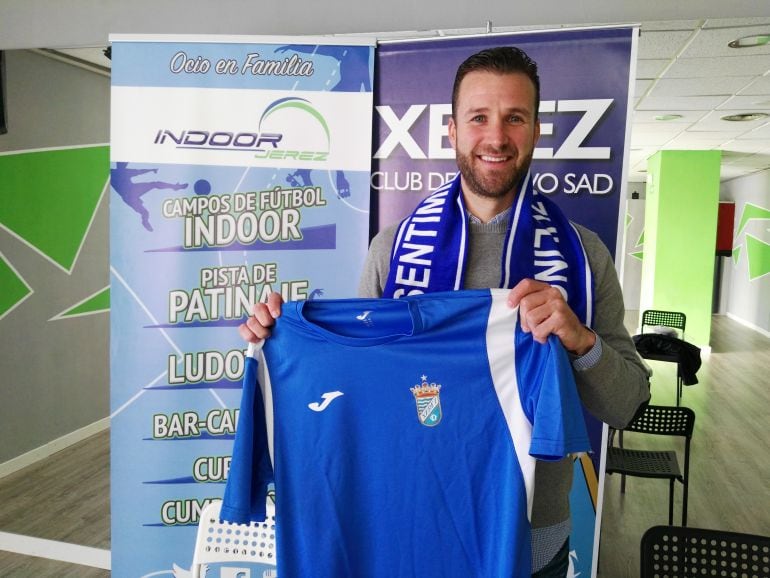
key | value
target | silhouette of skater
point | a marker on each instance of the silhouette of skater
(354, 77)
(131, 193)
(300, 175)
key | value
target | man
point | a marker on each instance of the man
(503, 237)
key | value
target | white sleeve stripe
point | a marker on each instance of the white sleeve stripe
(267, 398)
(254, 349)
(501, 350)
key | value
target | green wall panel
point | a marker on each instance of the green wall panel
(680, 237)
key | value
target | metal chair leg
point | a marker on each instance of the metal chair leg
(686, 484)
(684, 506)
(622, 476)
(671, 503)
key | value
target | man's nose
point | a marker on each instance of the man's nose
(497, 135)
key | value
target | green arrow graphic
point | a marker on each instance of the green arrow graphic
(13, 289)
(751, 211)
(99, 302)
(759, 257)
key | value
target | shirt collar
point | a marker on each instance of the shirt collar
(497, 219)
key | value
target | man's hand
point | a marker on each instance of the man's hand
(543, 311)
(263, 316)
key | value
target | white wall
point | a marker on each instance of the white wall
(748, 298)
(630, 228)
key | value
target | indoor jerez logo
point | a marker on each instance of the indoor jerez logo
(289, 128)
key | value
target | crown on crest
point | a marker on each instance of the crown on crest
(425, 389)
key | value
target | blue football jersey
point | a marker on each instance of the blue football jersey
(401, 436)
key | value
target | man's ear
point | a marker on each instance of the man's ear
(453, 132)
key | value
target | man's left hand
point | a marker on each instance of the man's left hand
(543, 311)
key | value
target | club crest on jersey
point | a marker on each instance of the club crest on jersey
(426, 396)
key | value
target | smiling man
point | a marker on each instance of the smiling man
(493, 129)
(488, 228)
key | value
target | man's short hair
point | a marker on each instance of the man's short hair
(500, 60)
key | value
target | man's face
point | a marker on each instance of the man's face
(494, 131)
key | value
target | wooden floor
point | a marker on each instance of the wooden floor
(66, 497)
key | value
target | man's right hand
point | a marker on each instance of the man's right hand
(263, 316)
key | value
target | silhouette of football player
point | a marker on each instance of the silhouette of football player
(121, 179)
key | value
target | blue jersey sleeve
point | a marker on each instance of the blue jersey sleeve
(251, 470)
(549, 396)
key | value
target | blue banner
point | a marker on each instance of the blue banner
(237, 168)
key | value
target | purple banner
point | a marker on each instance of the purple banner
(578, 161)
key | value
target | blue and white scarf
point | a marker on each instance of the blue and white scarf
(431, 247)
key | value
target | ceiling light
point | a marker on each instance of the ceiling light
(750, 41)
(667, 116)
(745, 116)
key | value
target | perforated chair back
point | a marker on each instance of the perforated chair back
(673, 319)
(225, 542)
(677, 552)
(664, 420)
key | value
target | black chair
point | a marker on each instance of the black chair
(656, 420)
(657, 318)
(674, 320)
(678, 552)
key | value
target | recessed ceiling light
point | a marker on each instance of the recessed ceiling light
(745, 116)
(750, 41)
(667, 116)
